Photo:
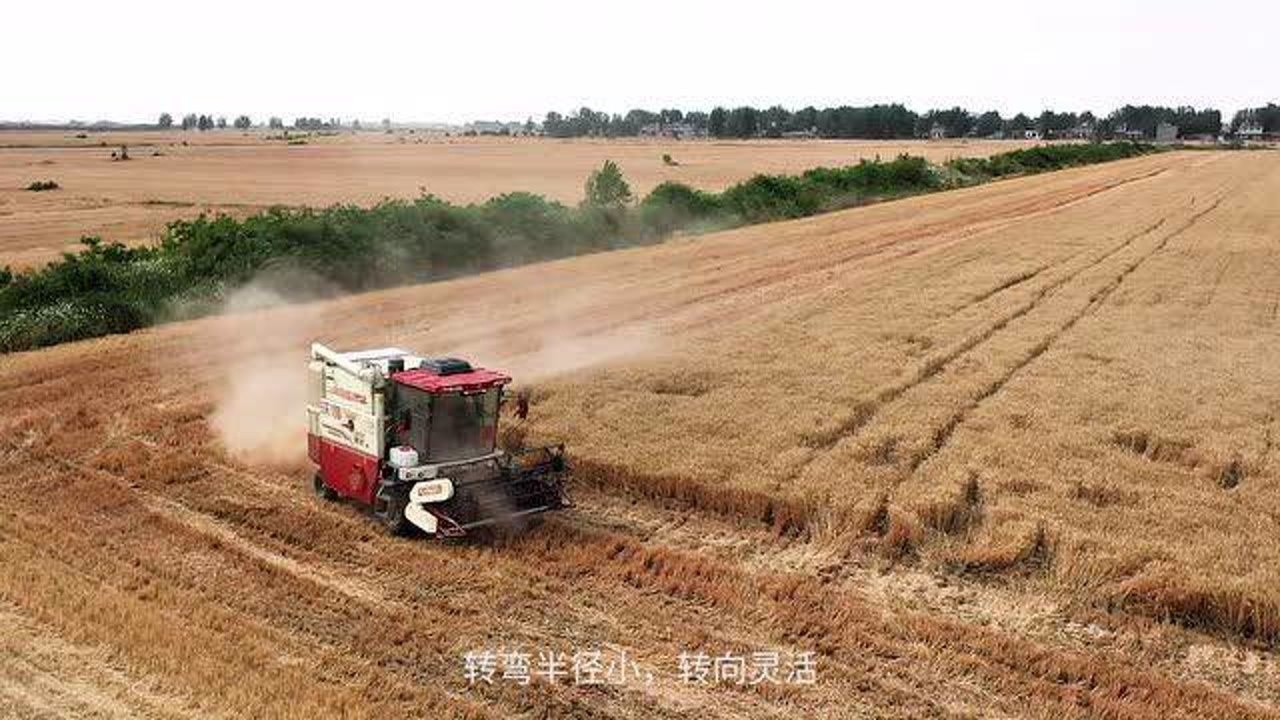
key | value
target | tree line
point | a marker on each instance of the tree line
(883, 122)
(1265, 118)
(201, 122)
(192, 121)
(872, 122)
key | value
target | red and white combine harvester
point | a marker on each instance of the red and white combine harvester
(415, 439)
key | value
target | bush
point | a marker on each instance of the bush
(1044, 158)
(847, 186)
(42, 185)
(772, 197)
(527, 227)
(673, 206)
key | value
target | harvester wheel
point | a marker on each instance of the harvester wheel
(392, 513)
(323, 491)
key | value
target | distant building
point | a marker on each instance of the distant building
(1166, 133)
(1031, 134)
(1083, 131)
(1124, 133)
(1251, 131)
(495, 127)
(937, 132)
(809, 134)
(678, 130)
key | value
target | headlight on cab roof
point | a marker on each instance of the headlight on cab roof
(431, 491)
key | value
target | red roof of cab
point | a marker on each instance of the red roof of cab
(475, 380)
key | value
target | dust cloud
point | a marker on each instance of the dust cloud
(260, 410)
(265, 330)
(551, 333)
(564, 352)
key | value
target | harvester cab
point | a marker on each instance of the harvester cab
(415, 439)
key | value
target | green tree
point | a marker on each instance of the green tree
(743, 122)
(166, 121)
(804, 120)
(1018, 124)
(988, 123)
(955, 122)
(606, 188)
(717, 121)
(243, 122)
(275, 123)
(773, 121)
(190, 121)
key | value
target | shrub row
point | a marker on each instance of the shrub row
(108, 288)
(1044, 158)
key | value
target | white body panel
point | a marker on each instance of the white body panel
(345, 399)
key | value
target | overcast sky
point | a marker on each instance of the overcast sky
(129, 60)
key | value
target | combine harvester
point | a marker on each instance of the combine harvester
(415, 439)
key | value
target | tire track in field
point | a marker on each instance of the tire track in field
(1223, 268)
(344, 659)
(1268, 442)
(1010, 283)
(1007, 284)
(51, 677)
(942, 435)
(209, 526)
(863, 415)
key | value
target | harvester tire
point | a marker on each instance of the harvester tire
(392, 514)
(324, 492)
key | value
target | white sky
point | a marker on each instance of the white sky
(129, 60)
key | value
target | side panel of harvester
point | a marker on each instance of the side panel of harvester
(345, 420)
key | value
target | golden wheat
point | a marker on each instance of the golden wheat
(1004, 451)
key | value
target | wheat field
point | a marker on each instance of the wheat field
(182, 174)
(996, 452)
